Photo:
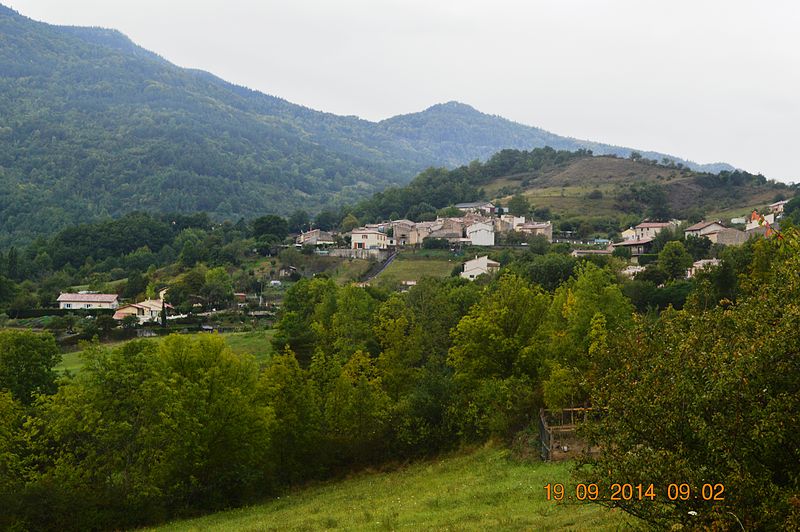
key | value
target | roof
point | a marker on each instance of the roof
(779, 203)
(702, 225)
(591, 252)
(472, 204)
(536, 225)
(645, 225)
(88, 298)
(362, 230)
(636, 242)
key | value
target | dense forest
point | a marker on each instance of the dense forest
(92, 125)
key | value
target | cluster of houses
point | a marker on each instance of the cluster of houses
(477, 226)
(147, 310)
(639, 239)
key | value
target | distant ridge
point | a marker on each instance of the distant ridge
(93, 125)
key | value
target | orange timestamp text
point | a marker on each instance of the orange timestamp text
(634, 492)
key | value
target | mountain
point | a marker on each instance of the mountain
(455, 133)
(92, 125)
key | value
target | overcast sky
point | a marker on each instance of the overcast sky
(706, 81)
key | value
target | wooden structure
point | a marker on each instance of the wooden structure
(558, 433)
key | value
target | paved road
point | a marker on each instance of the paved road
(383, 267)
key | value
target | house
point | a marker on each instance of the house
(651, 229)
(485, 207)
(508, 222)
(85, 300)
(629, 234)
(777, 207)
(717, 233)
(451, 229)
(147, 310)
(701, 265)
(631, 271)
(727, 236)
(315, 237)
(639, 246)
(537, 228)
(741, 220)
(287, 271)
(479, 266)
(589, 252)
(703, 228)
(365, 238)
(481, 234)
(401, 229)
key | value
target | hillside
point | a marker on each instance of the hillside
(626, 186)
(93, 125)
(570, 186)
(485, 490)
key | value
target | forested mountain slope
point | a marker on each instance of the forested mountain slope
(93, 125)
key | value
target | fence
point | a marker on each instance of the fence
(558, 433)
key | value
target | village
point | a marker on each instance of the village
(479, 229)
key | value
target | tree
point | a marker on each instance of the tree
(349, 223)
(707, 397)
(519, 205)
(699, 247)
(298, 221)
(105, 323)
(674, 260)
(218, 288)
(27, 360)
(271, 224)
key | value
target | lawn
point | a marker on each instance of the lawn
(414, 269)
(256, 343)
(482, 490)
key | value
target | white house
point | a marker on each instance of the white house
(479, 266)
(365, 238)
(315, 237)
(87, 301)
(147, 310)
(481, 234)
(701, 265)
(777, 207)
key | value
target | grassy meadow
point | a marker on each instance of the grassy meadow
(483, 490)
(424, 263)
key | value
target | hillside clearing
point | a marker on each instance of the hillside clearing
(483, 490)
(256, 343)
(405, 268)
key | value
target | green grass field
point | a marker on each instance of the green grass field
(414, 269)
(256, 343)
(482, 490)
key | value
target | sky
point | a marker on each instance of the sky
(703, 80)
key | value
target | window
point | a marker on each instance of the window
(67, 305)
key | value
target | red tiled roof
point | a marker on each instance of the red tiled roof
(88, 298)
